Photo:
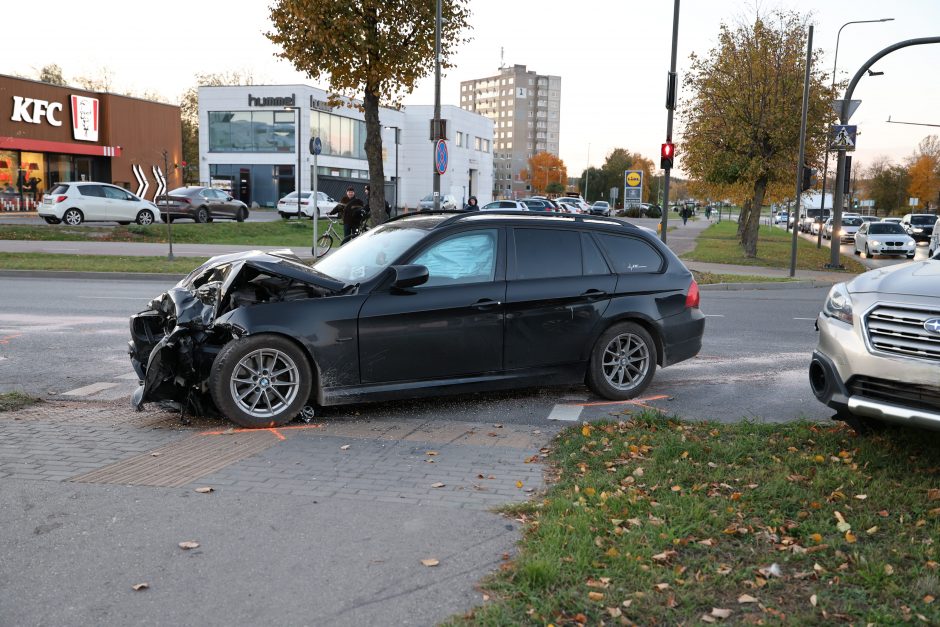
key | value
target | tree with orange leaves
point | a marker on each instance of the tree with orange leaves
(544, 168)
(925, 184)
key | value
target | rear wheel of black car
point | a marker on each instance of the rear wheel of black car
(623, 362)
(202, 215)
(260, 381)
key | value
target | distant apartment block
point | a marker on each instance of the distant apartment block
(525, 108)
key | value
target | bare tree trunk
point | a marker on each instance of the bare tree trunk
(753, 220)
(374, 155)
(742, 219)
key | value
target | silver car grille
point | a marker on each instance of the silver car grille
(900, 331)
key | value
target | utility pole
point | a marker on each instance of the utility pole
(671, 88)
(437, 105)
(169, 218)
(587, 173)
(799, 165)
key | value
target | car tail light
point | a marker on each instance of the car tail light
(59, 199)
(692, 298)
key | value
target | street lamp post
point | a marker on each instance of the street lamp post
(397, 131)
(822, 202)
(437, 104)
(298, 179)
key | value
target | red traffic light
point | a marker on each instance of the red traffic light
(666, 155)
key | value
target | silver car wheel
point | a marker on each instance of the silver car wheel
(626, 361)
(264, 383)
(72, 217)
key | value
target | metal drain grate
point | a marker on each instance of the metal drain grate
(182, 462)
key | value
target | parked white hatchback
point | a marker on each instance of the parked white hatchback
(74, 203)
(884, 238)
(287, 206)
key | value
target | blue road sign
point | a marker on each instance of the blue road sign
(440, 156)
(842, 137)
(316, 146)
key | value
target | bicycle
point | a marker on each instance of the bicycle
(331, 235)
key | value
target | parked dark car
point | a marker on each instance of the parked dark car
(540, 204)
(201, 204)
(425, 304)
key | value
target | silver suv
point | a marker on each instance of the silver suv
(878, 357)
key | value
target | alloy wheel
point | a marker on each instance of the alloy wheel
(626, 361)
(264, 383)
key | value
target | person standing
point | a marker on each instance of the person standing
(350, 208)
(686, 212)
(472, 204)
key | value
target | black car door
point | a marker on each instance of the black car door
(452, 326)
(557, 290)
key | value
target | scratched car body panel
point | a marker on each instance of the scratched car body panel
(423, 305)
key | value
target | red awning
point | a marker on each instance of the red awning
(40, 145)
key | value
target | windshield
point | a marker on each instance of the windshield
(885, 228)
(364, 257)
(851, 221)
(923, 220)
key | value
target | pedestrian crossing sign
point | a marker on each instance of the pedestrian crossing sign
(842, 137)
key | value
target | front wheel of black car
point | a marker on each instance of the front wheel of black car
(260, 381)
(623, 362)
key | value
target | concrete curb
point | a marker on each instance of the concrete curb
(107, 276)
(768, 285)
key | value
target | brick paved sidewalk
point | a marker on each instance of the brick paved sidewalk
(419, 462)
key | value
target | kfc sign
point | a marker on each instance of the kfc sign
(33, 111)
(85, 118)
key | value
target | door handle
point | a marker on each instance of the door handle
(486, 303)
(592, 293)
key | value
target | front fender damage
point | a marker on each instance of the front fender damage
(174, 342)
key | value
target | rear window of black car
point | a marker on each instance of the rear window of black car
(630, 255)
(547, 253)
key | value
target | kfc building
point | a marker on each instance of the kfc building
(51, 134)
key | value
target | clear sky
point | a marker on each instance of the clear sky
(612, 55)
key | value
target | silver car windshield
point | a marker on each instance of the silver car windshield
(366, 256)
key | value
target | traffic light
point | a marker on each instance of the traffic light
(810, 178)
(666, 156)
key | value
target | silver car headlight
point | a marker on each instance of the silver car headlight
(918, 230)
(874, 242)
(839, 304)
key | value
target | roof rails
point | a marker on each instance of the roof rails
(574, 217)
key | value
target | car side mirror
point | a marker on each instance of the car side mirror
(229, 198)
(409, 276)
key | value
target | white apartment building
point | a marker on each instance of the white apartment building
(525, 108)
(248, 145)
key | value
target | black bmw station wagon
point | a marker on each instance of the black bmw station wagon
(425, 304)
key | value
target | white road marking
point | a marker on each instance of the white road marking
(714, 315)
(132, 376)
(804, 318)
(90, 389)
(566, 413)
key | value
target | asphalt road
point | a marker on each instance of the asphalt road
(877, 262)
(755, 340)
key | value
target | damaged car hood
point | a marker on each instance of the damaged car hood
(280, 262)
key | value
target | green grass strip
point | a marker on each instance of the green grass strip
(719, 244)
(657, 521)
(98, 263)
(12, 401)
